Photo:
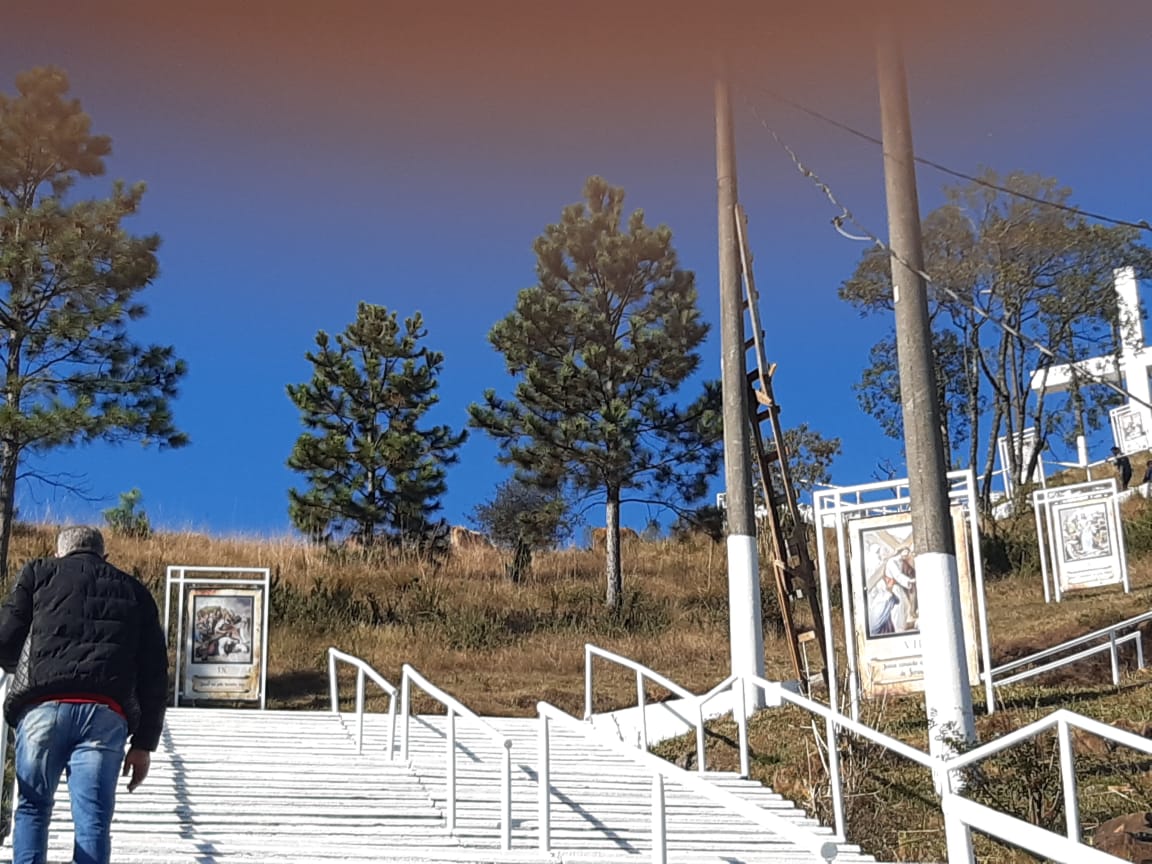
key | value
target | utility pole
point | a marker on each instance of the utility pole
(946, 670)
(947, 690)
(745, 629)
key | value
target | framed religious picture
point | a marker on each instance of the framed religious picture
(223, 643)
(886, 602)
(1086, 544)
(1128, 429)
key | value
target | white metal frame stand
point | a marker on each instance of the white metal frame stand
(1093, 490)
(176, 578)
(834, 506)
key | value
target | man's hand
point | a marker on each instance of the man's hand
(138, 762)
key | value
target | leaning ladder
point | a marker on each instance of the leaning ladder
(792, 564)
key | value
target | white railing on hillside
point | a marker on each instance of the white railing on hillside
(454, 708)
(643, 673)
(1063, 721)
(1110, 633)
(822, 849)
(363, 672)
(776, 694)
(960, 814)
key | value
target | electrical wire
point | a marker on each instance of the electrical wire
(1142, 225)
(845, 216)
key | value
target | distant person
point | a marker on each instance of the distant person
(85, 647)
(1147, 472)
(1123, 467)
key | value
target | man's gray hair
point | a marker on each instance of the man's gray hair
(79, 538)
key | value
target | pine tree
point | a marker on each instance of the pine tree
(374, 473)
(600, 346)
(70, 276)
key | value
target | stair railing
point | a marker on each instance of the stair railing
(454, 709)
(962, 814)
(821, 848)
(363, 672)
(1110, 633)
(643, 673)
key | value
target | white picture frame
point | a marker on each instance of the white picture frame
(221, 633)
(1081, 537)
(889, 650)
(1128, 429)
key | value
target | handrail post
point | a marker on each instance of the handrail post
(405, 693)
(506, 797)
(700, 737)
(587, 682)
(332, 691)
(359, 710)
(543, 780)
(643, 710)
(742, 725)
(450, 776)
(659, 832)
(834, 780)
(392, 727)
(1068, 775)
(1115, 658)
(957, 836)
(1139, 650)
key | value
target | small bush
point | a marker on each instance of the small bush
(124, 520)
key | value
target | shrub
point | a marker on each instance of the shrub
(124, 520)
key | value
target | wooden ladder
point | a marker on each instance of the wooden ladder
(792, 564)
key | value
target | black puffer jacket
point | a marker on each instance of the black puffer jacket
(78, 626)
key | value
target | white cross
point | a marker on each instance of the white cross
(1135, 356)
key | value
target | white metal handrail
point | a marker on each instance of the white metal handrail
(1067, 850)
(642, 673)
(363, 671)
(822, 849)
(1109, 632)
(453, 708)
(1064, 721)
(775, 694)
(742, 728)
(1110, 646)
(1048, 845)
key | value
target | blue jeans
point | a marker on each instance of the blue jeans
(86, 740)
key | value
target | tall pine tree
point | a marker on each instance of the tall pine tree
(70, 276)
(600, 346)
(374, 472)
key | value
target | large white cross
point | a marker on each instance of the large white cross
(1134, 361)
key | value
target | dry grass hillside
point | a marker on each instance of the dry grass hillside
(500, 647)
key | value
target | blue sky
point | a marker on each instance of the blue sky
(300, 160)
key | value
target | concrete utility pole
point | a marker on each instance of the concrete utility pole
(744, 614)
(947, 688)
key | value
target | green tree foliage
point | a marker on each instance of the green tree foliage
(524, 518)
(600, 346)
(124, 520)
(810, 458)
(374, 471)
(70, 276)
(1044, 271)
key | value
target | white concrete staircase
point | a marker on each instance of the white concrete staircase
(289, 787)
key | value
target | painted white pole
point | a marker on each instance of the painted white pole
(746, 637)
